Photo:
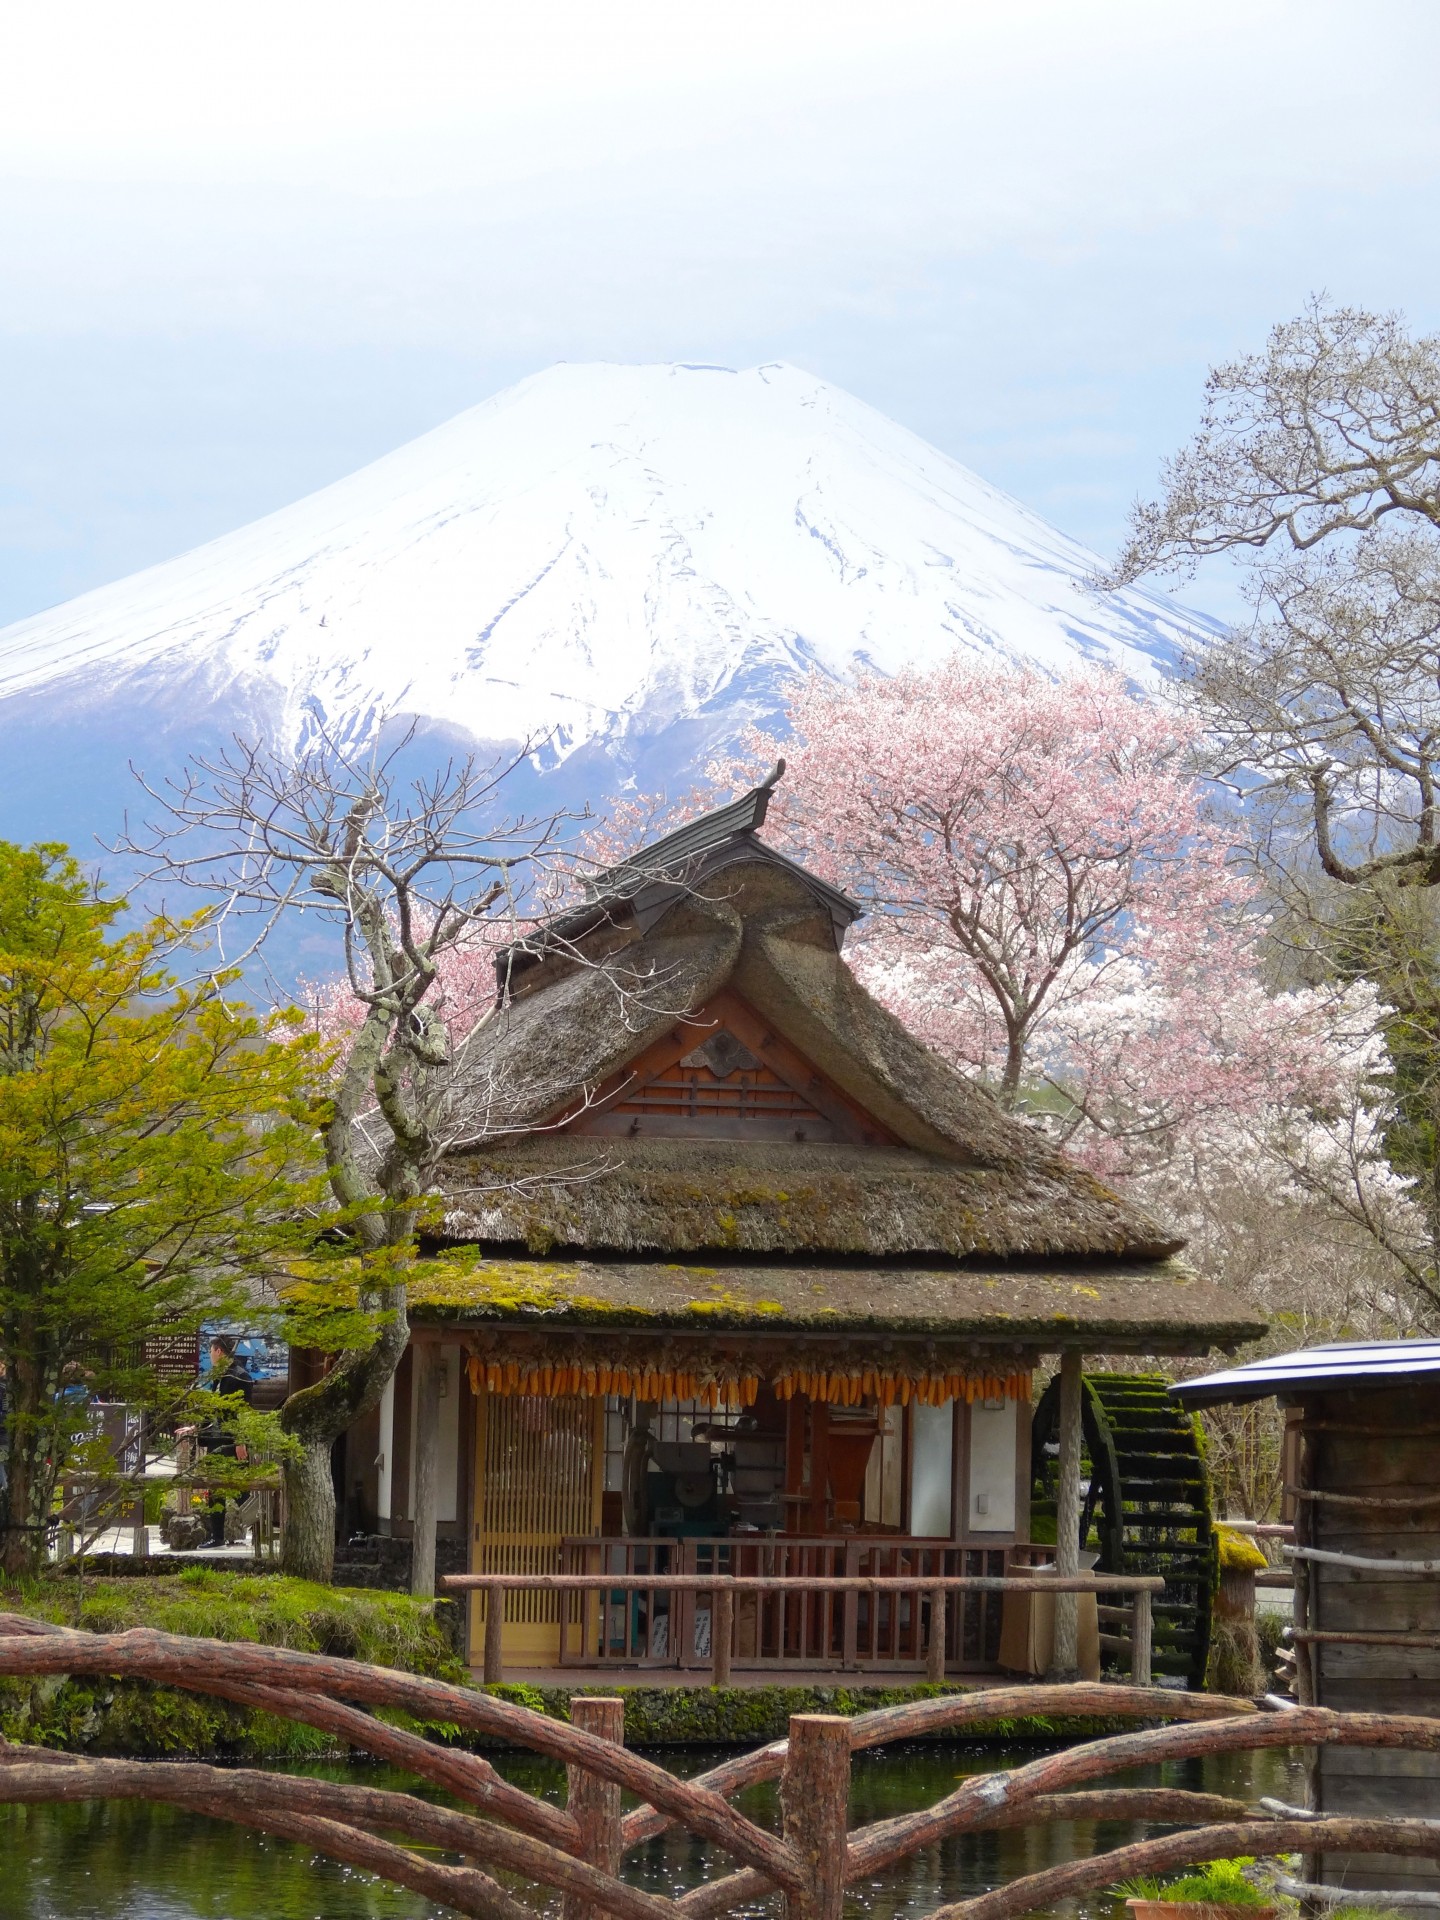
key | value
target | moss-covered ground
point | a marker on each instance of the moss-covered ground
(133, 1717)
(101, 1715)
(748, 1716)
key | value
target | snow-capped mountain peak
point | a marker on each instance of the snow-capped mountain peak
(596, 557)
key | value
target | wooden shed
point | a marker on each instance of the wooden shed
(1362, 1458)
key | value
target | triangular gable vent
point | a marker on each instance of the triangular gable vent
(723, 1074)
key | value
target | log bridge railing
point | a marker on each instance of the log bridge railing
(579, 1850)
(1135, 1590)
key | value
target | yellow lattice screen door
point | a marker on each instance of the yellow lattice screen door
(539, 1471)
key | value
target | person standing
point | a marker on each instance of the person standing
(228, 1376)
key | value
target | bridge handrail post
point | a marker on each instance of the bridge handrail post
(593, 1803)
(815, 1802)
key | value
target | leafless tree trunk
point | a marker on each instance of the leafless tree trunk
(429, 1373)
(1320, 458)
(403, 871)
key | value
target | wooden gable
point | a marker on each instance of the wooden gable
(723, 1073)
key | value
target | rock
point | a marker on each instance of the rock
(183, 1531)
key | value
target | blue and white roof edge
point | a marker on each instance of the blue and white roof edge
(1314, 1370)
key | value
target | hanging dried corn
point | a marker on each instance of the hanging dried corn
(850, 1388)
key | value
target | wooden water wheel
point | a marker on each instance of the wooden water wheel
(1145, 1502)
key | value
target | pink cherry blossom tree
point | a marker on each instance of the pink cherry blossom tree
(1019, 836)
(1056, 907)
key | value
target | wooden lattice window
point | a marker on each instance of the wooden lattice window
(540, 1465)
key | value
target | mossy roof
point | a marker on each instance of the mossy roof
(560, 1192)
(1145, 1307)
(965, 1178)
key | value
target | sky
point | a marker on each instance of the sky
(245, 250)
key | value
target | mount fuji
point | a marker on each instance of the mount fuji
(621, 566)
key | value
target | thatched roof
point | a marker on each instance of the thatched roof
(577, 1020)
(558, 1191)
(963, 1179)
(689, 862)
(1162, 1307)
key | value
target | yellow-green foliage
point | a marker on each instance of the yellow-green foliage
(157, 1150)
(733, 1305)
(464, 1281)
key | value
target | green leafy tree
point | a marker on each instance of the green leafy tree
(157, 1156)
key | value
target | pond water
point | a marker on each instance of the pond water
(125, 1861)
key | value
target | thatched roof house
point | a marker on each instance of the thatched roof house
(692, 1112)
(707, 1169)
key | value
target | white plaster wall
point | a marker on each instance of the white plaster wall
(932, 1461)
(991, 1496)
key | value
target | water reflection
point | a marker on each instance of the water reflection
(129, 1862)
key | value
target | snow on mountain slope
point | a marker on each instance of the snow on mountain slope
(599, 555)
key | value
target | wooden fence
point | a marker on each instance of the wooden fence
(825, 1613)
(822, 1628)
(578, 1851)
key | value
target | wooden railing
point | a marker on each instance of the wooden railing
(813, 1626)
(928, 1597)
(579, 1850)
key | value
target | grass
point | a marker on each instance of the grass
(387, 1629)
(97, 1714)
(1220, 1883)
(748, 1716)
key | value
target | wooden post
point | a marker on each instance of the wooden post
(935, 1651)
(850, 1611)
(595, 1803)
(814, 1798)
(1304, 1576)
(1065, 1656)
(494, 1636)
(428, 1376)
(1306, 1617)
(683, 1609)
(722, 1626)
(1142, 1622)
(1234, 1647)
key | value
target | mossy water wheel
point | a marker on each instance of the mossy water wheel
(1145, 1502)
